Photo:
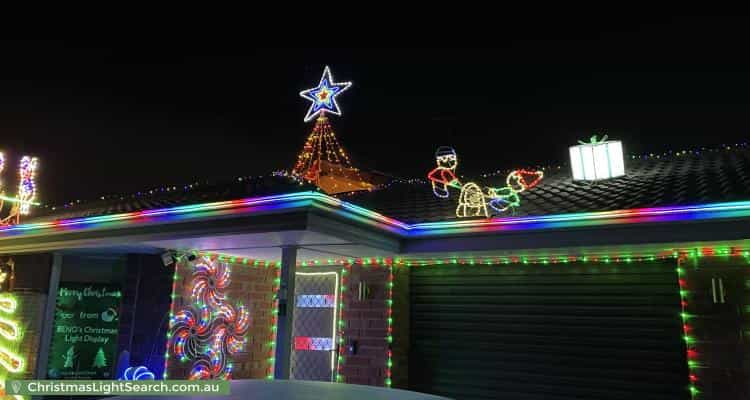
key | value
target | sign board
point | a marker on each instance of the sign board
(84, 340)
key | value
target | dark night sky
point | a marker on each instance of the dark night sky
(117, 117)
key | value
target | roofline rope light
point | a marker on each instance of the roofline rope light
(269, 204)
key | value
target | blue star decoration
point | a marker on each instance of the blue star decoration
(323, 97)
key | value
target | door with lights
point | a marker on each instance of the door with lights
(718, 321)
(316, 301)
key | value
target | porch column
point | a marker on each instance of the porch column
(48, 317)
(286, 312)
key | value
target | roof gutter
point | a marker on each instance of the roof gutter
(330, 205)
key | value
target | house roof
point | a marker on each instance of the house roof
(672, 179)
(172, 196)
(685, 178)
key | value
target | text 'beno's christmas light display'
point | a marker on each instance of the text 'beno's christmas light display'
(597, 159)
(21, 204)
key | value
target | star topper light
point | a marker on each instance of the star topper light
(323, 97)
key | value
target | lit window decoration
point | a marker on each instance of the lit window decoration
(444, 175)
(323, 97)
(597, 159)
(140, 373)
(307, 343)
(316, 301)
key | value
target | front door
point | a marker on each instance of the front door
(315, 318)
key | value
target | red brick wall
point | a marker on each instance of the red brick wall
(367, 324)
(254, 286)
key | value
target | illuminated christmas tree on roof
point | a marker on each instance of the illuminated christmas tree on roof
(323, 161)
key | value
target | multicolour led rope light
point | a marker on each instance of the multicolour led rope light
(262, 205)
(389, 337)
(341, 329)
(691, 354)
(271, 355)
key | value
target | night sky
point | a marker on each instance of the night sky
(122, 116)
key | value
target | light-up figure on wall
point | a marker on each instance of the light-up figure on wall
(27, 186)
(444, 175)
(20, 205)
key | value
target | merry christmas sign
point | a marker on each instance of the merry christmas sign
(84, 342)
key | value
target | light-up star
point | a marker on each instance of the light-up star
(323, 97)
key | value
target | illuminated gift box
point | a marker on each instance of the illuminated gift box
(597, 160)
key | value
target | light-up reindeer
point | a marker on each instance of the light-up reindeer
(20, 205)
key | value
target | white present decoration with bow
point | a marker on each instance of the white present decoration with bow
(597, 160)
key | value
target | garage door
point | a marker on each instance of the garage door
(569, 331)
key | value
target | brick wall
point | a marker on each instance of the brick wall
(253, 286)
(367, 325)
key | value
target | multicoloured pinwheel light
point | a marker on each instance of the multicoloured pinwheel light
(236, 324)
(210, 279)
(190, 333)
(213, 364)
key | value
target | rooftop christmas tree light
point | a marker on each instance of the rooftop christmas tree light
(323, 161)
